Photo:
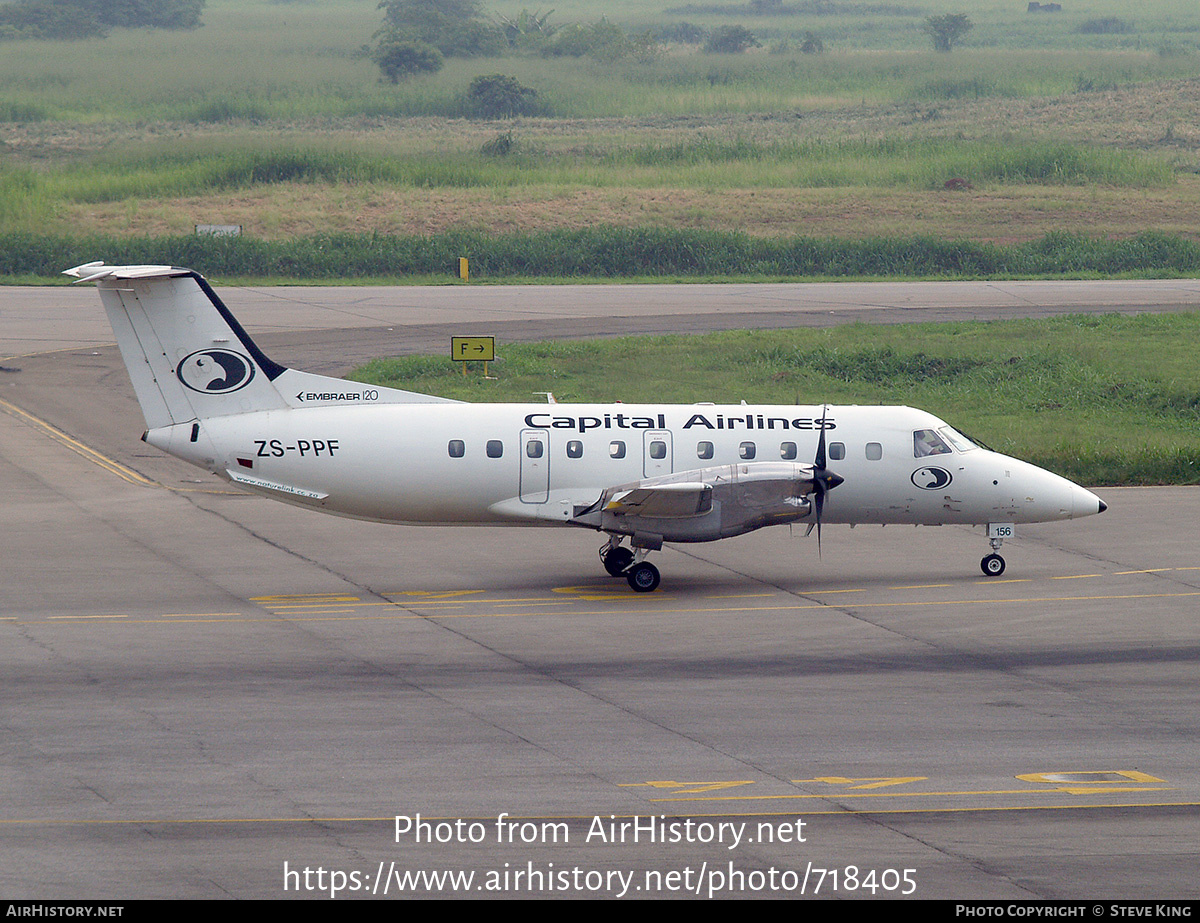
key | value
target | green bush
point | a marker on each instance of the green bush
(456, 28)
(946, 30)
(602, 40)
(730, 40)
(76, 19)
(48, 19)
(528, 31)
(685, 33)
(1105, 25)
(498, 96)
(399, 57)
(812, 44)
(22, 112)
(499, 146)
(135, 14)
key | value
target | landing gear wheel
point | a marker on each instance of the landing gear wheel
(643, 577)
(617, 561)
(992, 565)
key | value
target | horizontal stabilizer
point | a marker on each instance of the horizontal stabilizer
(90, 272)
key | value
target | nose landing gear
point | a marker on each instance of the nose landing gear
(993, 565)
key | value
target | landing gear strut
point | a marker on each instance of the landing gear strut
(619, 561)
(993, 564)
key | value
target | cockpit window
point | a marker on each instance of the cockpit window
(957, 439)
(928, 442)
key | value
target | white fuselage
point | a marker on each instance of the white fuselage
(522, 463)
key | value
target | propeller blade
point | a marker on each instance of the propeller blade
(819, 503)
(819, 462)
(823, 480)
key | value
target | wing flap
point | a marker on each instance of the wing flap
(663, 501)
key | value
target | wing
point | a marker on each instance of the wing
(705, 504)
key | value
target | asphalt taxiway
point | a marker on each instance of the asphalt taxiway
(210, 695)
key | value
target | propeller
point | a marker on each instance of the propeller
(824, 481)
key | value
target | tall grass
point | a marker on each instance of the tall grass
(611, 253)
(899, 162)
(28, 197)
(196, 173)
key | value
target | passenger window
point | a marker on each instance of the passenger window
(495, 448)
(658, 449)
(534, 448)
(874, 451)
(746, 450)
(574, 449)
(787, 450)
(457, 448)
(837, 450)
(927, 442)
(616, 449)
(704, 450)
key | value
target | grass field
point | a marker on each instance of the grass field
(777, 185)
(1102, 400)
(270, 117)
(263, 59)
(259, 61)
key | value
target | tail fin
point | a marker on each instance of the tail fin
(189, 358)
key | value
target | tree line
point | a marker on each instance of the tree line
(79, 19)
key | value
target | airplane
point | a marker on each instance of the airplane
(641, 474)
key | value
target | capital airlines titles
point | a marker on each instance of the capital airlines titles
(713, 421)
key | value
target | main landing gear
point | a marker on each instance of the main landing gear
(619, 561)
(616, 560)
